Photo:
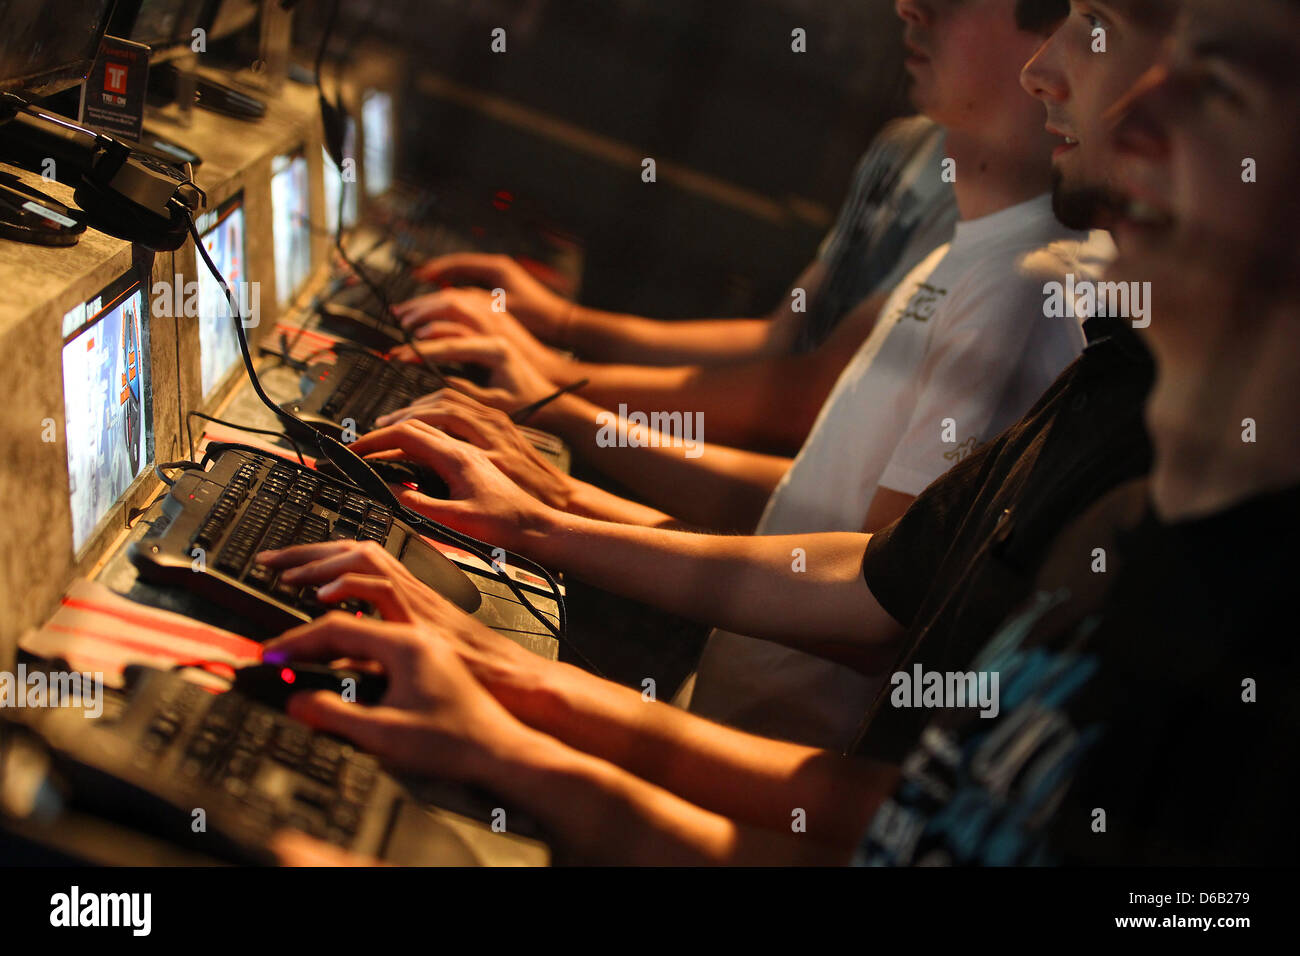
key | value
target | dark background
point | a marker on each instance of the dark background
(708, 86)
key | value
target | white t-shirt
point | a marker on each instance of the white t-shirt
(962, 349)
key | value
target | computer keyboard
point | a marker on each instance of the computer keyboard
(214, 523)
(398, 287)
(363, 387)
(167, 747)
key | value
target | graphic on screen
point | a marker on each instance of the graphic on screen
(377, 119)
(223, 237)
(334, 182)
(105, 401)
(291, 225)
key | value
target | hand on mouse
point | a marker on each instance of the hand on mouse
(435, 718)
(345, 570)
(482, 501)
(492, 430)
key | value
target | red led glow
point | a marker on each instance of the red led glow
(288, 676)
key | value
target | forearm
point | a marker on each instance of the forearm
(611, 337)
(805, 591)
(749, 779)
(599, 813)
(768, 403)
(705, 484)
(592, 502)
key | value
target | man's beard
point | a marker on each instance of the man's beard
(1081, 207)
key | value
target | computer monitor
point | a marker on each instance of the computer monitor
(158, 23)
(290, 224)
(377, 130)
(48, 47)
(106, 400)
(222, 231)
(334, 182)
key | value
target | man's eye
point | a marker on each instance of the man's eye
(1211, 85)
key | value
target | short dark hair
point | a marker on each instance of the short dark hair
(1041, 16)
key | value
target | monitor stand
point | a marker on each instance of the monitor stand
(29, 215)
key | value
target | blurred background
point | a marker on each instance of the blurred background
(755, 144)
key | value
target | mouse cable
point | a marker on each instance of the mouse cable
(189, 432)
(359, 472)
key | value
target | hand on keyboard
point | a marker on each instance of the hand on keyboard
(482, 500)
(513, 382)
(356, 571)
(537, 307)
(492, 430)
(455, 313)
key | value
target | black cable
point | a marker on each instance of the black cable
(189, 432)
(160, 469)
(359, 472)
(521, 415)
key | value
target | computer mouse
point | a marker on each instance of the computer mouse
(274, 684)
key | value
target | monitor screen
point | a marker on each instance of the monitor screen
(46, 46)
(223, 237)
(290, 224)
(334, 182)
(377, 123)
(106, 401)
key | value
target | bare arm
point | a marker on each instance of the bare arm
(436, 718)
(804, 590)
(609, 337)
(768, 401)
(708, 484)
(592, 749)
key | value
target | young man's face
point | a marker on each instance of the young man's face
(1093, 58)
(963, 60)
(1204, 150)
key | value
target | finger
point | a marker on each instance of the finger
(381, 592)
(460, 267)
(336, 635)
(482, 396)
(452, 422)
(369, 727)
(295, 848)
(302, 554)
(351, 557)
(488, 350)
(420, 442)
(444, 329)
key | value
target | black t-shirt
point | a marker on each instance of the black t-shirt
(967, 551)
(1146, 709)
